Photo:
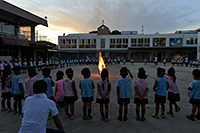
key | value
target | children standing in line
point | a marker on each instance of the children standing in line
(17, 90)
(173, 92)
(124, 92)
(194, 95)
(87, 91)
(6, 89)
(141, 93)
(103, 94)
(70, 93)
(160, 87)
(30, 81)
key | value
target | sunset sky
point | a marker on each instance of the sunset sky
(82, 16)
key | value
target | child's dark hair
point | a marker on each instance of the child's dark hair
(171, 72)
(40, 86)
(104, 76)
(31, 72)
(46, 72)
(6, 72)
(60, 74)
(161, 72)
(142, 73)
(85, 72)
(16, 69)
(196, 72)
(123, 71)
(69, 72)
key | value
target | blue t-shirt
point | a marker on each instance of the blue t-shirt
(195, 92)
(49, 87)
(86, 87)
(15, 85)
(125, 89)
(34, 63)
(161, 88)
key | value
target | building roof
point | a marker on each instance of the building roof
(21, 14)
(197, 30)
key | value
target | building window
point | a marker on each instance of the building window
(125, 41)
(119, 41)
(191, 41)
(140, 40)
(158, 42)
(195, 40)
(102, 43)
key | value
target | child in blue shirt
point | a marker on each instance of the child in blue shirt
(160, 87)
(124, 92)
(194, 95)
(17, 90)
(87, 91)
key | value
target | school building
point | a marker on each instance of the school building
(129, 44)
(18, 37)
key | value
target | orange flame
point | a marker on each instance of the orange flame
(101, 64)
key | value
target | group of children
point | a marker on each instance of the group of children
(66, 92)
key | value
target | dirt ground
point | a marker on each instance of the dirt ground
(10, 123)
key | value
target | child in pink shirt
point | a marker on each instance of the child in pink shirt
(59, 91)
(103, 94)
(70, 93)
(30, 81)
(141, 97)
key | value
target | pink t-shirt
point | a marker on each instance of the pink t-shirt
(29, 86)
(164, 60)
(31, 64)
(47, 63)
(20, 63)
(156, 59)
(103, 91)
(173, 86)
(68, 91)
(11, 65)
(1, 66)
(141, 85)
(186, 60)
(6, 89)
(59, 85)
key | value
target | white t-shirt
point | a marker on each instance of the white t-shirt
(35, 113)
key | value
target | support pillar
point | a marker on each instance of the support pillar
(32, 33)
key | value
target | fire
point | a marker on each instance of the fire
(101, 64)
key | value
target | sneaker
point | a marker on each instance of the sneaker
(3, 109)
(177, 109)
(90, 117)
(119, 118)
(107, 119)
(10, 110)
(73, 117)
(68, 115)
(170, 113)
(155, 116)
(197, 116)
(143, 119)
(84, 118)
(103, 118)
(50, 117)
(125, 118)
(137, 118)
(162, 116)
(190, 117)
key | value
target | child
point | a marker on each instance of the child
(31, 63)
(47, 78)
(34, 63)
(47, 63)
(194, 95)
(24, 66)
(160, 87)
(103, 94)
(173, 92)
(132, 61)
(30, 81)
(17, 90)
(59, 92)
(70, 93)
(124, 92)
(141, 89)
(6, 89)
(164, 61)
(1, 67)
(87, 91)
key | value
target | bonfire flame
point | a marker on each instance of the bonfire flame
(101, 64)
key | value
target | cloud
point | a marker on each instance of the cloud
(86, 15)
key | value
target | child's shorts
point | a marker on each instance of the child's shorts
(18, 97)
(172, 97)
(141, 102)
(102, 101)
(69, 99)
(194, 101)
(160, 99)
(87, 99)
(124, 101)
(6, 95)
